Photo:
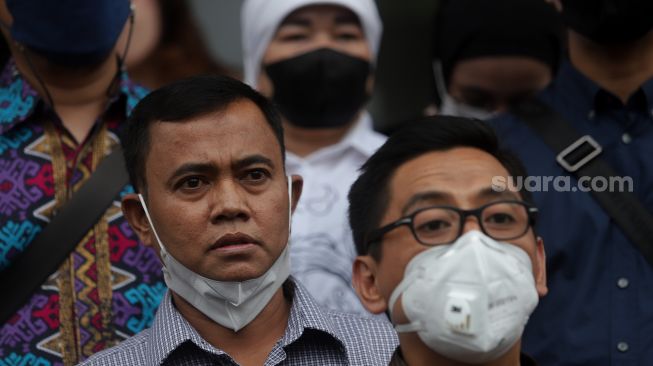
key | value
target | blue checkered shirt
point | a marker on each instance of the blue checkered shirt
(314, 336)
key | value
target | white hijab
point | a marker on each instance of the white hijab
(261, 18)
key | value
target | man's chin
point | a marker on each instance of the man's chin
(238, 273)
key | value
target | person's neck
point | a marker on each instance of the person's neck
(79, 96)
(305, 141)
(250, 345)
(620, 69)
(416, 353)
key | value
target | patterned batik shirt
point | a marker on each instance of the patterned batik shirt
(110, 286)
(314, 336)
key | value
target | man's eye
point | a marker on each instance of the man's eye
(293, 37)
(256, 175)
(191, 183)
(500, 219)
(348, 36)
(433, 226)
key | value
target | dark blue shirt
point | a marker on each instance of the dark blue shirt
(599, 310)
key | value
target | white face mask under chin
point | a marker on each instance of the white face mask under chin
(468, 301)
(451, 107)
(230, 304)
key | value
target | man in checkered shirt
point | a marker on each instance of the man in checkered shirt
(206, 156)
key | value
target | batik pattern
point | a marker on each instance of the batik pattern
(35, 335)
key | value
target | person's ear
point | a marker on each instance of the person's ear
(540, 267)
(135, 215)
(365, 283)
(296, 188)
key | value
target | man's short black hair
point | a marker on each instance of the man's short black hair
(180, 102)
(369, 195)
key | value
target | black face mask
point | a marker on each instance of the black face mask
(609, 21)
(319, 89)
(71, 33)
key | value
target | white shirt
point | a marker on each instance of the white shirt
(321, 244)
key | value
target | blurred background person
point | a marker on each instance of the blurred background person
(315, 59)
(600, 308)
(167, 44)
(493, 54)
(64, 100)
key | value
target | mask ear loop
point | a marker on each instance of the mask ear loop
(149, 220)
(121, 59)
(440, 85)
(289, 205)
(408, 327)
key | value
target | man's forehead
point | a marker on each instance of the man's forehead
(240, 130)
(454, 173)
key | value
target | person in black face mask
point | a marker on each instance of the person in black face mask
(600, 309)
(492, 54)
(315, 60)
(63, 102)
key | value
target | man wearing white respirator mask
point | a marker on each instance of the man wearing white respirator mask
(445, 251)
(206, 156)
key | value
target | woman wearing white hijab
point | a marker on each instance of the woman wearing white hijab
(315, 60)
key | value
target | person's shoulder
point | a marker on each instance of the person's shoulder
(377, 138)
(508, 120)
(133, 91)
(369, 341)
(502, 120)
(132, 351)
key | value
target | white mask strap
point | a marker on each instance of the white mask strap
(408, 327)
(289, 203)
(149, 219)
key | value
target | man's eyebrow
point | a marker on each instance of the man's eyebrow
(348, 18)
(296, 20)
(492, 194)
(251, 160)
(424, 196)
(205, 168)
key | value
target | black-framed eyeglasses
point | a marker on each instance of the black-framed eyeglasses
(436, 225)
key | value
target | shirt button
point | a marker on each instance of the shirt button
(622, 346)
(622, 282)
(632, 116)
(591, 114)
(626, 138)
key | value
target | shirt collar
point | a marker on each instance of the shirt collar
(361, 137)
(170, 330)
(305, 313)
(592, 97)
(18, 99)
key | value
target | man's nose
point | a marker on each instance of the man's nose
(228, 203)
(471, 223)
(324, 40)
